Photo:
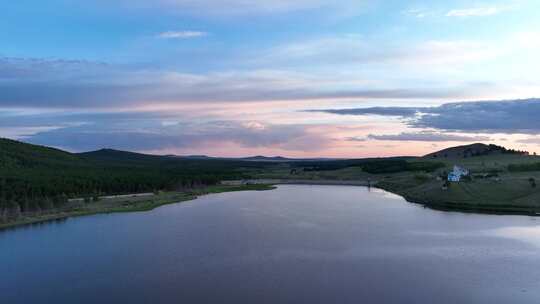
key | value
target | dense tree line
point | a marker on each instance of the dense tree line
(470, 152)
(40, 179)
(36, 190)
(374, 166)
(394, 166)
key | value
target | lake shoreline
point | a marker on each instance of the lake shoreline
(437, 203)
(465, 208)
(269, 184)
(321, 182)
(125, 206)
(410, 198)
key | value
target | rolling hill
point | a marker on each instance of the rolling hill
(15, 155)
(473, 150)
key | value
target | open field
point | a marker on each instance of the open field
(511, 194)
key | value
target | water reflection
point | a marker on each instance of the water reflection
(37, 225)
(295, 244)
(529, 235)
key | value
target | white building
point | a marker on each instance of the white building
(457, 174)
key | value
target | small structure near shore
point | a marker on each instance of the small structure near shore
(457, 174)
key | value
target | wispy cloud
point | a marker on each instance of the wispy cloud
(418, 13)
(155, 131)
(242, 7)
(428, 136)
(341, 67)
(474, 11)
(347, 50)
(44, 83)
(155, 136)
(356, 139)
(382, 111)
(529, 140)
(181, 34)
(478, 11)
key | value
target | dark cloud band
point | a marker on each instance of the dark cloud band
(507, 116)
(429, 137)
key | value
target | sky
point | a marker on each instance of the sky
(303, 78)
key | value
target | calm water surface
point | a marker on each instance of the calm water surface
(296, 244)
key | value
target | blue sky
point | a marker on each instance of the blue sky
(242, 77)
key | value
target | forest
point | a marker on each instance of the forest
(374, 165)
(37, 179)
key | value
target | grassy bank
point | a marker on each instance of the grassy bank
(512, 194)
(131, 204)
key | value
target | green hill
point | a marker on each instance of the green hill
(18, 155)
(473, 150)
(123, 157)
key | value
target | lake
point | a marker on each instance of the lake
(295, 244)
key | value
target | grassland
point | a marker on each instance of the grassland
(130, 204)
(507, 193)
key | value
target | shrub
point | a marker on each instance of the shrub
(421, 177)
(524, 167)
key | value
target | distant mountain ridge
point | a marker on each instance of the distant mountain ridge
(265, 158)
(257, 158)
(16, 152)
(111, 155)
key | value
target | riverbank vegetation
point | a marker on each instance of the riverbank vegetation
(36, 180)
(124, 204)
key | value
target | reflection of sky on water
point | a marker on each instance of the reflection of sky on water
(529, 235)
(295, 244)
